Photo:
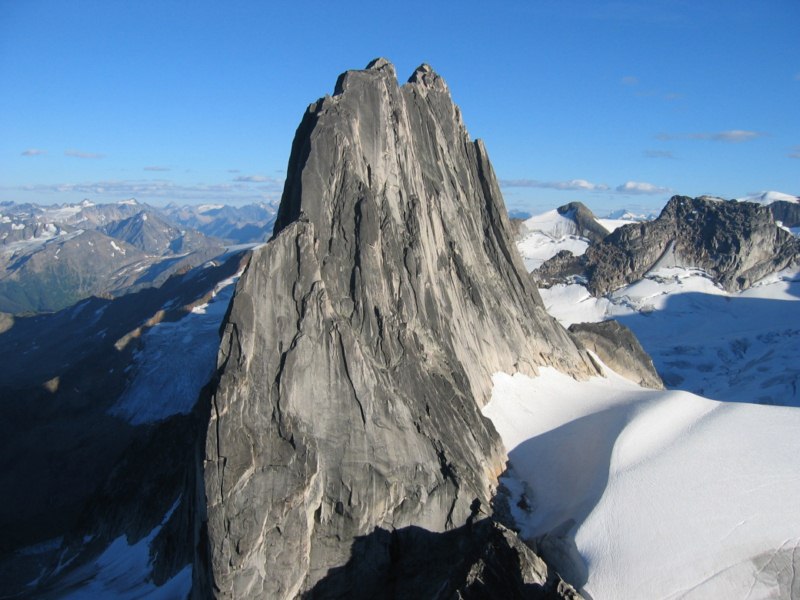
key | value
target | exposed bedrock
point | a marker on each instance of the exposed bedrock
(617, 346)
(737, 243)
(361, 341)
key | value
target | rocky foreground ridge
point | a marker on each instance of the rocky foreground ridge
(345, 435)
(736, 243)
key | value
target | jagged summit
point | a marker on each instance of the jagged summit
(736, 243)
(426, 77)
(361, 342)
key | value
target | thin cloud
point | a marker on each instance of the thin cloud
(80, 154)
(641, 187)
(795, 153)
(33, 152)
(162, 189)
(156, 168)
(253, 179)
(234, 171)
(797, 76)
(731, 136)
(572, 184)
(658, 154)
(630, 80)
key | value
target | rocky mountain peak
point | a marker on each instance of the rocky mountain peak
(736, 243)
(361, 343)
(425, 77)
(381, 64)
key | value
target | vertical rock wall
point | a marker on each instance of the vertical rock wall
(362, 338)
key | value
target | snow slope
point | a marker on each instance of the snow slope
(176, 361)
(548, 234)
(663, 494)
(123, 572)
(766, 198)
(737, 347)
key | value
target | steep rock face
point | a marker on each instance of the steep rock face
(617, 346)
(737, 243)
(788, 213)
(361, 341)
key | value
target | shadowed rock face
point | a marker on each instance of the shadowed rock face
(788, 213)
(617, 346)
(737, 243)
(361, 341)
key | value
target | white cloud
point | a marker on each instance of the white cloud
(254, 179)
(572, 184)
(33, 152)
(735, 136)
(641, 187)
(730, 136)
(161, 189)
(80, 154)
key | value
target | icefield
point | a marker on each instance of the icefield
(652, 494)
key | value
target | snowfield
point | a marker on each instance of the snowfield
(662, 494)
(548, 234)
(686, 493)
(739, 347)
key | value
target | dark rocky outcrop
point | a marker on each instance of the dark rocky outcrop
(585, 221)
(561, 268)
(737, 243)
(788, 213)
(361, 341)
(482, 561)
(617, 346)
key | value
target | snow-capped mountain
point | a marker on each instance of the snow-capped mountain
(54, 256)
(570, 227)
(767, 198)
(235, 224)
(306, 419)
(736, 243)
(638, 493)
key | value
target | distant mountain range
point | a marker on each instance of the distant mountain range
(54, 256)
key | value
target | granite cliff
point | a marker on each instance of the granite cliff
(345, 427)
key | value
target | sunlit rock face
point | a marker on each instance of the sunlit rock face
(736, 243)
(360, 344)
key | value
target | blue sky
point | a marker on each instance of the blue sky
(616, 104)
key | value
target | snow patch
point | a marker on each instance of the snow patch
(767, 198)
(176, 360)
(548, 234)
(657, 490)
(123, 571)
